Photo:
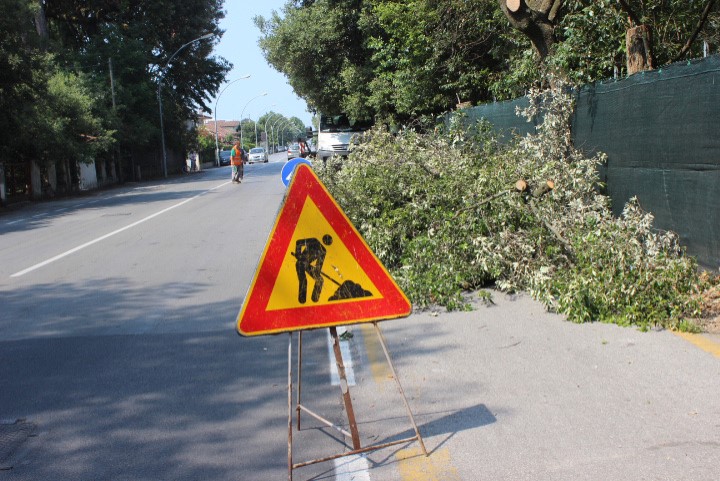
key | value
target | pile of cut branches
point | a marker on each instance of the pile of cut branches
(454, 210)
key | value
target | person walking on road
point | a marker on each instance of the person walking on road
(236, 160)
(304, 150)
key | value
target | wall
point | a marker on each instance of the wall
(88, 176)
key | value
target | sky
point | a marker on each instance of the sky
(239, 45)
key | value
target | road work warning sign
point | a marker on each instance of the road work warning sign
(316, 269)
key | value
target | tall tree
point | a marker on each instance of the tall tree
(389, 59)
(312, 44)
(140, 38)
(428, 56)
(398, 60)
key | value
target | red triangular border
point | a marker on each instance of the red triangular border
(255, 320)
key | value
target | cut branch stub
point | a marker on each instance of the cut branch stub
(521, 185)
(544, 189)
(513, 5)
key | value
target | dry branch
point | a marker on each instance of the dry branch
(691, 40)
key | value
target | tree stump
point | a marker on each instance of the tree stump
(638, 41)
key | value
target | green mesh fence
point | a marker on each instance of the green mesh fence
(661, 132)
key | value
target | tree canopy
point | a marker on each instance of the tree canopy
(275, 126)
(399, 60)
(80, 78)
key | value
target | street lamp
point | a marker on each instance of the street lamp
(243, 111)
(272, 128)
(270, 117)
(256, 132)
(291, 128)
(281, 127)
(161, 76)
(267, 119)
(217, 147)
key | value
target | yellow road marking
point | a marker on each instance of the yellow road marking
(378, 364)
(702, 342)
(413, 465)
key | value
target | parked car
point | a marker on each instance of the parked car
(293, 151)
(257, 154)
(224, 157)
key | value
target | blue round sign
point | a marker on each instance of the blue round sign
(289, 167)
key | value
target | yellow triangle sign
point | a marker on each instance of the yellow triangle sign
(316, 269)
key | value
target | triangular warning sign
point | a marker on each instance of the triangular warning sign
(316, 269)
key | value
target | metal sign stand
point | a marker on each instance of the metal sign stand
(353, 433)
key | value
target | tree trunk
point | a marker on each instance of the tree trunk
(41, 25)
(35, 181)
(535, 19)
(638, 41)
(3, 194)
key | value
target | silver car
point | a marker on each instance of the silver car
(257, 154)
(293, 151)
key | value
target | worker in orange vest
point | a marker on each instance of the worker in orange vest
(304, 150)
(236, 160)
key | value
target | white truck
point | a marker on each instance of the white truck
(335, 133)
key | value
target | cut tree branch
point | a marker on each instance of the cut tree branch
(554, 10)
(567, 247)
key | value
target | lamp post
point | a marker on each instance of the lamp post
(159, 96)
(288, 127)
(243, 112)
(267, 119)
(256, 133)
(217, 146)
(281, 127)
(272, 127)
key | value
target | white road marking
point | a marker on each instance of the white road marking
(349, 468)
(352, 468)
(102, 238)
(347, 359)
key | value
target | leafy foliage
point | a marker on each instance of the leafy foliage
(312, 45)
(395, 61)
(23, 79)
(444, 213)
(68, 115)
(591, 35)
(385, 58)
(57, 103)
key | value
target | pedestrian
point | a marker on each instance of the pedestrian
(304, 150)
(193, 161)
(236, 160)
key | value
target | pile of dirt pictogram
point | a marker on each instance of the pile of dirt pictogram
(349, 290)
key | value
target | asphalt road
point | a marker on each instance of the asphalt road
(118, 347)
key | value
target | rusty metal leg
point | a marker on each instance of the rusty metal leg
(345, 389)
(299, 378)
(290, 458)
(400, 388)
